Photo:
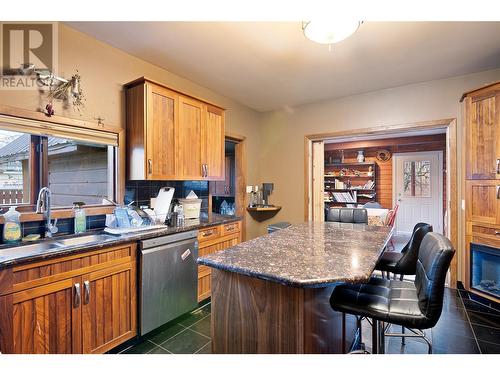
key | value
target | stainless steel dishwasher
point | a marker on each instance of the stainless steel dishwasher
(168, 278)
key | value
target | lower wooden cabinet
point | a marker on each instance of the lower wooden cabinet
(83, 303)
(44, 319)
(211, 240)
(108, 308)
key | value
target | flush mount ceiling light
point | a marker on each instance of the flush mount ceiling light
(329, 32)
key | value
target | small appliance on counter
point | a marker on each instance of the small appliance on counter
(267, 189)
(191, 206)
(260, 198)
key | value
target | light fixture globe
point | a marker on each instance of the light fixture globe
(329, 32)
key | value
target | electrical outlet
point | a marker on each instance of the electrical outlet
(463, 204)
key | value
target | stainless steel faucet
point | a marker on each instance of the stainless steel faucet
(43, 207)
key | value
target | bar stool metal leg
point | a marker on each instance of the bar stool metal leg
(375, 336)
(381, 341)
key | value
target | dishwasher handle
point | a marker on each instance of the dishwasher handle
(193, 248)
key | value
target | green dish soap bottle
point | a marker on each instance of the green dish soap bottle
(80, 217)
(12, 226)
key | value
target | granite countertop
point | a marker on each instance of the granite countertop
(27, 252)
(307, 255)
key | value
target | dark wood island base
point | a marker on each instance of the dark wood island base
(251, 315)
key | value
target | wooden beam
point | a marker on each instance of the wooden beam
(396, 141)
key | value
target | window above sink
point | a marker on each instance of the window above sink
(77, 160)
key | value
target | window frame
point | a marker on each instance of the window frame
(44, 126)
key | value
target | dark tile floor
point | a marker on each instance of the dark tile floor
(190, 334)
(465, 327)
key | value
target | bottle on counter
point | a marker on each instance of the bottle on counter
(12, 226)
(80, 217)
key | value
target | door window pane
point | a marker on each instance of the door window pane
(79, 171)
(14, 167)
(417, 178)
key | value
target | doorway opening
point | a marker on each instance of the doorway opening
(228, 196)
(355, 169)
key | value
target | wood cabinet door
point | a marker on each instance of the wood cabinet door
(161, 119)
(45, 319)
(204, 283)
(108, 308)
(229, 175)
(225, 187)
(483, 200)
(213, 142)
(483, 137)
(189, 139)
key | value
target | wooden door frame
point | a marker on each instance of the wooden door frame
(240, 180)
(441, 185)
(450, 124)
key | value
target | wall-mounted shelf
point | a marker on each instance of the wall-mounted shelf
(353, 164)
(348, 176)
(263, 213)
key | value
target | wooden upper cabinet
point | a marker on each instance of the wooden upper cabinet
(189, 139)
(172, 136)
(213, 143)
(482, 111)
(160, 132)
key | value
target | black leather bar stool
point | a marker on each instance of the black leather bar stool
(347, 215)
(415, 305)
(405, 262)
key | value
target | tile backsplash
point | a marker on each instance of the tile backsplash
(142, 191)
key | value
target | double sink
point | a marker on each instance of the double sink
(57, 243)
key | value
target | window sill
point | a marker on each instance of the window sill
(63, 213)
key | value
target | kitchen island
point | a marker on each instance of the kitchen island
(271, 294)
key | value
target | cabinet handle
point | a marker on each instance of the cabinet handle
(203, 170)
(86, 291)
(77, 297)
(150, 166)
(498, 166)
(207, 233)
(498, 191)
(229, 228)
(497, 233)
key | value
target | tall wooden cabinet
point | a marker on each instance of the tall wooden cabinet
(482, 170)
(82, 303)
(172, 136)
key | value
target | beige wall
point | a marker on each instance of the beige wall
(282, 145)
(105, 69)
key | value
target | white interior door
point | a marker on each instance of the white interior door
(418, 188)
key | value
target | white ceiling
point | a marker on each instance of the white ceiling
(270, 65)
